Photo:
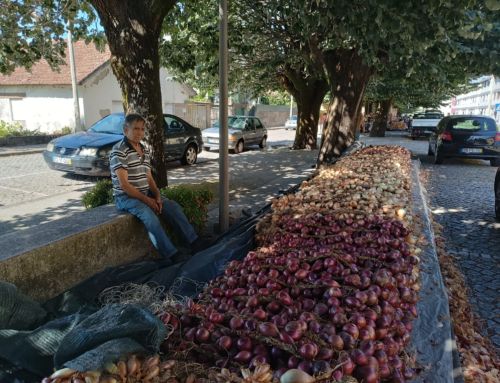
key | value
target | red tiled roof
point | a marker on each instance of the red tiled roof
(87, 60)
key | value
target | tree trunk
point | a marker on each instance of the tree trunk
(133, 29)
(308, 107)
(347, 77)
(380, 123)
(309, 94)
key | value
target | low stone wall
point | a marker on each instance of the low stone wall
(48, 259)
(273, 115)
(26, 140)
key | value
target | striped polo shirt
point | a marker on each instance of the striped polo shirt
(123, 155)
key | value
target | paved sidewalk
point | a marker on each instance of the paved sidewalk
(19, 150)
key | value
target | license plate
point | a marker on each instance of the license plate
(62, 160)
(472, 150)
(213, 140)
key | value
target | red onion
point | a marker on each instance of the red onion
(260, 314)
(308, 351)
(284, 298)
(243, 357)
(268, 329)
(351, 329)
(337, 342)
(236, 323)
(225, 342)
(202, 334)
(244, 344)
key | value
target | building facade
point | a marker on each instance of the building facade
(41, 99)
(484, 100)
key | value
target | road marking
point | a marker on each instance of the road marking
(23, 191)
(23, 175)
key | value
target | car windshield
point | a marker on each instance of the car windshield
(232, 123)
(433, 116)
(293, 118)
(112, 124)
(473, 124)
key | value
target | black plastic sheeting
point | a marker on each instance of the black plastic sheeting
(432, 336)
(77, 333)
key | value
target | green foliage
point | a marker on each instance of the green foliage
(194, 199)
(64, 131)
(15, 129)
(100, 194)
(275, 97)
(36, 29)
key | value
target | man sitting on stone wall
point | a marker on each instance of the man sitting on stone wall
(135, 191)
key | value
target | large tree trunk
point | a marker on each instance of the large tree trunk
(133, 29)
(347, 77)
(380, 123)
(309, 93)
(308, 108)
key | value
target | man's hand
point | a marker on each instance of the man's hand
(153, 204)
(159, 202)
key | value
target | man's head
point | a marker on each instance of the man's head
(134, 127)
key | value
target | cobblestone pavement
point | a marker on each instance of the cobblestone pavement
(462, 201)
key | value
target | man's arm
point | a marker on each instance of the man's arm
(122, 175)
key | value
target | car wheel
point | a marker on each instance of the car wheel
(438, 157)
(207, 148)
(263, 143)
(190, 155)
(239, 147)
(429, 150)
(495, 162)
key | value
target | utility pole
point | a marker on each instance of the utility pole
(291, 106)
(223, 131)
(74, 85)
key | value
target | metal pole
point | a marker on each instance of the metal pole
(291, 106)
(223, 131)
(76, 104)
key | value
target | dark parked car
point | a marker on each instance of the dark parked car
(87, 152)
(466, 136)
(497, 195)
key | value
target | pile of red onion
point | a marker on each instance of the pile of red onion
(326, 294)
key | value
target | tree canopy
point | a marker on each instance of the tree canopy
(32, 30)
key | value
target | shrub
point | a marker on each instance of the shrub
(64, 131)
(194, 199)
(15, 129)
(100, 194)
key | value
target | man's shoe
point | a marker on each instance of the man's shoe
(182, 255)
(165, 262)
(200, 244)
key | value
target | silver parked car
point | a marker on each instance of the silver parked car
(291, 123)
(244, 131)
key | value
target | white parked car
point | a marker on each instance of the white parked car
(291, 123)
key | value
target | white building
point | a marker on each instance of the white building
(485, 99)
(42, 99)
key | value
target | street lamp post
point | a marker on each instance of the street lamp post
(74, 85)
(223, 131)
